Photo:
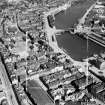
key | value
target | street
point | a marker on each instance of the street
(7, 86)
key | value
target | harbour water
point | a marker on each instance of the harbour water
(77, 47)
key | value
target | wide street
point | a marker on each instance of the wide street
(7, 86)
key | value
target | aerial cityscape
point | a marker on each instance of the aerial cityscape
(52, 52)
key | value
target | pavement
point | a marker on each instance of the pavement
(7, 86)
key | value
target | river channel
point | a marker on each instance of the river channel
(78, 48)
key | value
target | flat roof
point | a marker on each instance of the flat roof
(38, 94)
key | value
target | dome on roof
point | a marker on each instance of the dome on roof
(4, 102)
